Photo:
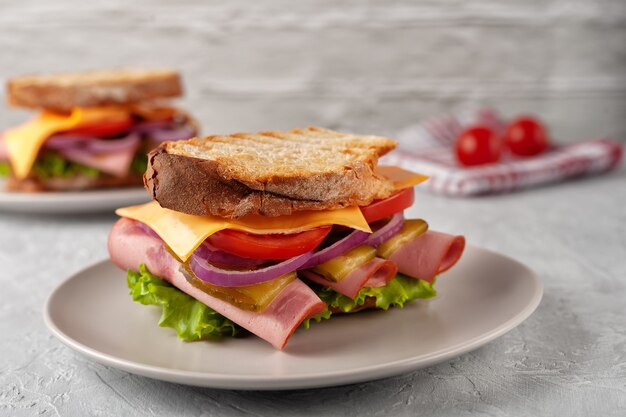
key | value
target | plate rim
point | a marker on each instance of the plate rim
(20, 195)
(71, 202)
(301, 381)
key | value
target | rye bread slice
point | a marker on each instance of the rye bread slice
(267, 173)
(62, 92)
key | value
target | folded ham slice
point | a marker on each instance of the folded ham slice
(130, 246)
(428, 255)
(4, 152)
(116, 163)
(375, 273)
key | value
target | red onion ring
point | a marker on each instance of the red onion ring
(158, 131)
(392, 227)
(66, 141)
(148, 127)
(113, 145)
(340, 247)
(181, 133)
(225, 278)
(214, 255)
(91, 144)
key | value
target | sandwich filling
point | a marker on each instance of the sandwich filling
(104, 145)
(271, 277)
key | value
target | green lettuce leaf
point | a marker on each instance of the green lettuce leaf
(5, 169)
(191, 319)
(139, 165)
(399, 291)
(50, 164)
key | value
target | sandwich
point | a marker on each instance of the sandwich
(269, 232)
(92, 130)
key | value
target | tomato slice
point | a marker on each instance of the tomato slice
(284, 246)
(104, 129)
(384, 208)
(268, 246)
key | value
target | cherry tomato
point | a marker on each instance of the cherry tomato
(268, 246)
(478, 145)
(384, 208)
(526, 136)
(104, 129)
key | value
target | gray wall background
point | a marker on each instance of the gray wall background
(368, 66)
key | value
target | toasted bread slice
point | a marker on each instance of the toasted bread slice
(268, 173)
(62, 92)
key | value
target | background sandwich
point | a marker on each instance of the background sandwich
(93, 129)
(267, 231)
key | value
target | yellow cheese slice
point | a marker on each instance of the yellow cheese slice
(24, 142)
(183, 233)
(400, 177)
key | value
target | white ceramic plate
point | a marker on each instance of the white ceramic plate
(71, 202)
(480, 299)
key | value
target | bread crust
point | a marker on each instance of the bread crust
(194, 186)
(63, 92)
(212, 187)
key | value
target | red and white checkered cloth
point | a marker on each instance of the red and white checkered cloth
(427, 148)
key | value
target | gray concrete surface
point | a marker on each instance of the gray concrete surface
(372, 66)
(567, 359)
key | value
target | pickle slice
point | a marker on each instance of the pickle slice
(250, 298)
(337, 268)
(410, 230)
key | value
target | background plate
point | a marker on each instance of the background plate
(71, 202)
(484, 296)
